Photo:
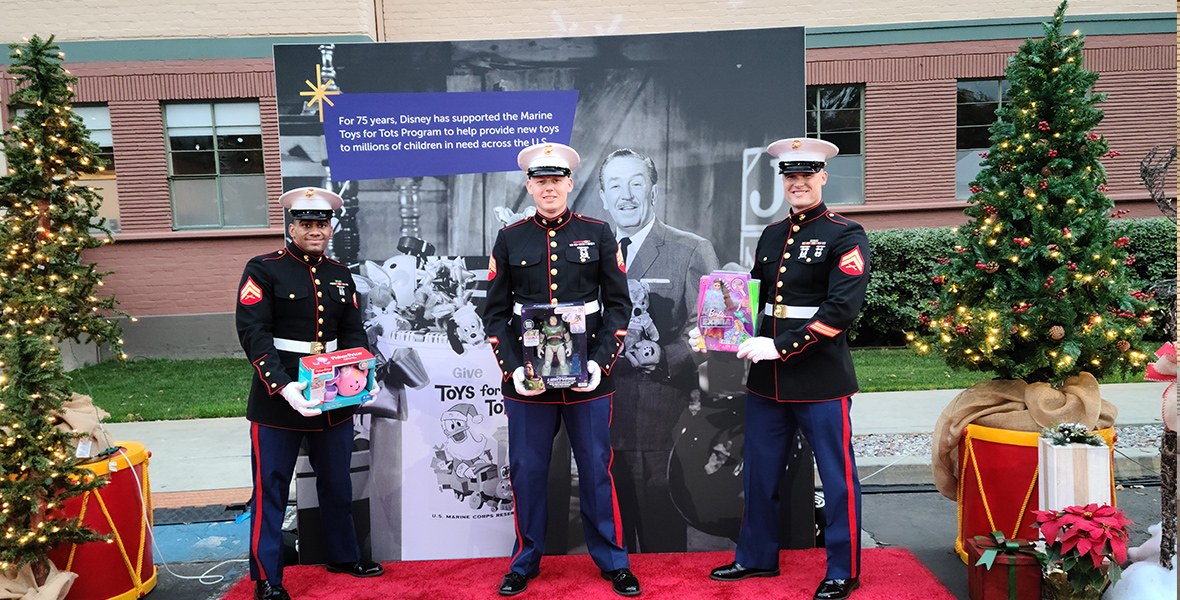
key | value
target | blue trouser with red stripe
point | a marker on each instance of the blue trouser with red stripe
(531, 429)
(770, 429)
(272, 454)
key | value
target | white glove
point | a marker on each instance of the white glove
(595, 377)
(372, 395)
(695, 341)
(293, 393)
(758, 348)
(518, 382)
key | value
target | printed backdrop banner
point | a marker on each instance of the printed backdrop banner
(420, 139)
(455, 459)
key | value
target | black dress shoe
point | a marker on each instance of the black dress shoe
(836, 589)
(623, 581)
(515, 583)
(360, 568)
(735, 572)
(265, 590)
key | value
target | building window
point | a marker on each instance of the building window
(976, 111)
(836, 113)
(97, 119)
(215, 165)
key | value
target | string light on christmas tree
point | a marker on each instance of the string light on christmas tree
(1033, 170)
(48, 148)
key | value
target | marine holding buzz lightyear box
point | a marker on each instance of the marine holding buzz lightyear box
(557, 257)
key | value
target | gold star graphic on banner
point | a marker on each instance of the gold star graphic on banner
(320, 93)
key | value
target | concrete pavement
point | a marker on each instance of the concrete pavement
(213, 455)
(206, 463)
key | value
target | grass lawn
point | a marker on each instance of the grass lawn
(155, 390)
(159, 390)
(898, 369)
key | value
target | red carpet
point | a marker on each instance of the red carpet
(888, 574)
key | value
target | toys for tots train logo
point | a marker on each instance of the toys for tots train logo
(472, 465)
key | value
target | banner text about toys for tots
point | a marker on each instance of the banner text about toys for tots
(381, 136)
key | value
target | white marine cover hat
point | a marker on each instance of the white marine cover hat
(548, 159)
(802, 155)
(311, 203)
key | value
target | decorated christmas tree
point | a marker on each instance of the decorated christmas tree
(1036, 288)
(47, 295)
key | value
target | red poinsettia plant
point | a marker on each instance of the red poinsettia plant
(1079, 539)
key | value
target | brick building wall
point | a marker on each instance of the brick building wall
(158, 271)
(909, 149)
(154, 277)
(910, 94)
(190, 277)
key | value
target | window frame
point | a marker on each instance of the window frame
(218, 176)
(1002, 98)
(813, 103)
(108, 176)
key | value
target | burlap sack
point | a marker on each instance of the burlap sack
(20, 585)
(80, 414)
(1018, 406)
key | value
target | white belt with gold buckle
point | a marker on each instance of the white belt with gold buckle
(784, 311)
(304, 347)
(591, 307)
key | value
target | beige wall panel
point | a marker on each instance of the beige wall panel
(414, 20)
(84, 20)
(409, 20)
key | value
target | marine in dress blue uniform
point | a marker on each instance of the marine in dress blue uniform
(814, 270)
(559, 256)
(291, 303)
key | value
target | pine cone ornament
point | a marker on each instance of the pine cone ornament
(1052, 248)
(1059, 294)
(1082, 149)
(1123, 345)
(1103, 273)
(991, 267)
(1042, 142)
(1029, 192)
(1046, 171)
(1013, 329)
(1056, 332)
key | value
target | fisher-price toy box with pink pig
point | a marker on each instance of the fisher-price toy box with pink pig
(340, 378)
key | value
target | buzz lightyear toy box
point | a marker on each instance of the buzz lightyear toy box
(340, 378)
(726, 317)
(554, 340)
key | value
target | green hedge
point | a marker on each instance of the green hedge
(903, 260)
(1153, 244)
